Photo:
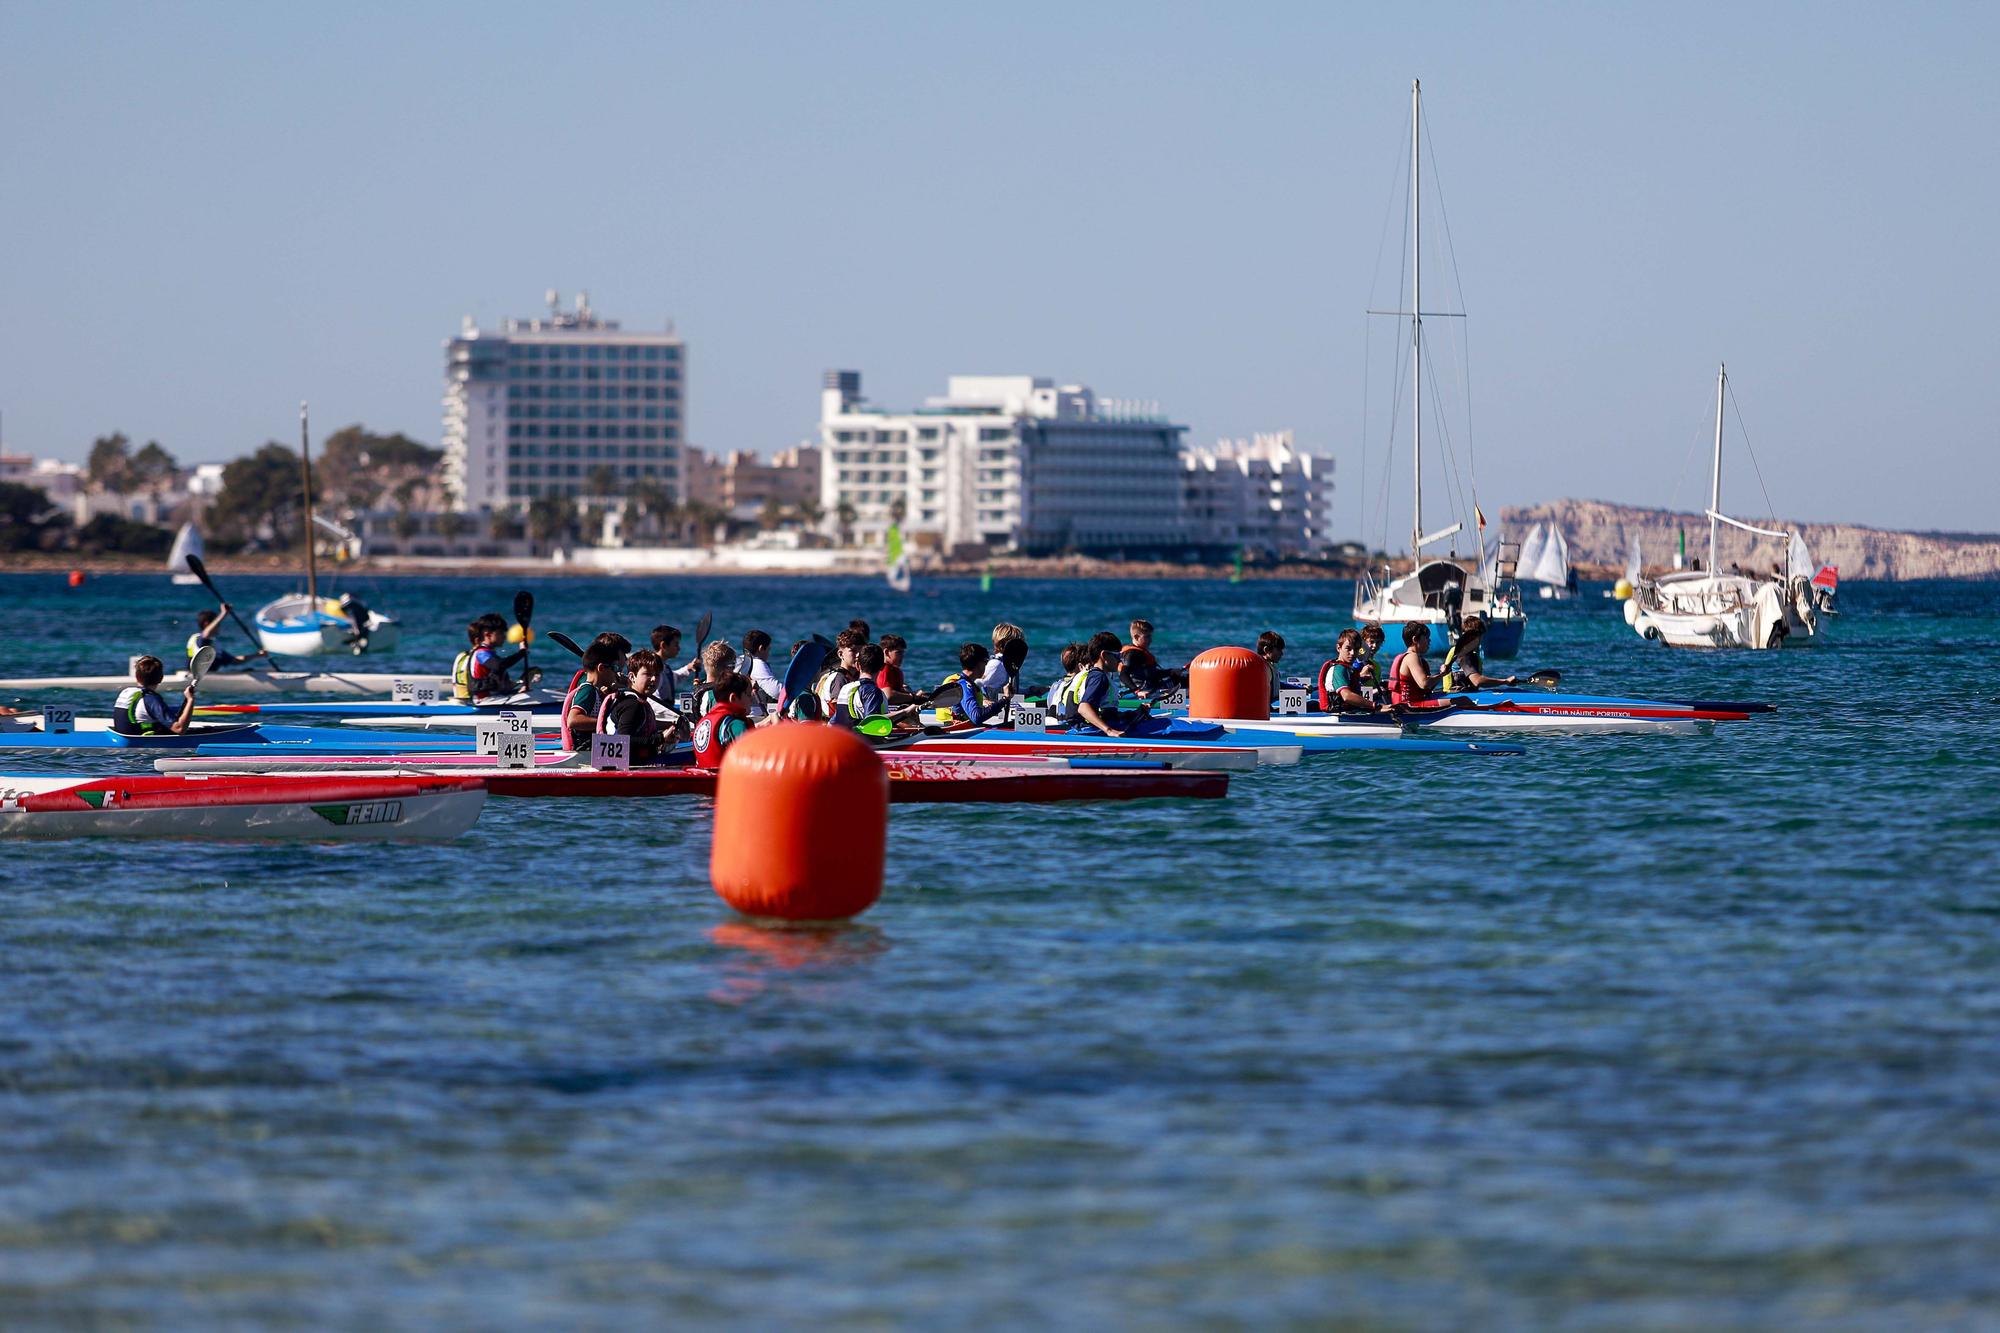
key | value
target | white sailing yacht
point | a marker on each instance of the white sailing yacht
(1704, 608)
(187, 542)
(303, 623)
(1545, 560)
(1435, 592)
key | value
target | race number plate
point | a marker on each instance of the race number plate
(611, 752)
(1030, 715)
(1291, 702)
(58, 719)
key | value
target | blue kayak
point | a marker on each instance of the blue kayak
(1309, 742)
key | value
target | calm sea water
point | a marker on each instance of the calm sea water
(1626, 1032)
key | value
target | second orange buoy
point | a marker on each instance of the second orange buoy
(801, 824)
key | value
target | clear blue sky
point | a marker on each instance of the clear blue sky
(209, 212)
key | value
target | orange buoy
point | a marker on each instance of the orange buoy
(801, 822)
(76, 578)
(1229, 682)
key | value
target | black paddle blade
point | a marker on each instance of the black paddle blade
(524, 608)
(563, 640)
(701, 630)
(200, 571)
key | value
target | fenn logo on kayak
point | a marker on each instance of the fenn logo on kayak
(362, 812)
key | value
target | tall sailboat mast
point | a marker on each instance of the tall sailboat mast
(1416, 330)
(306, 464)
(1715, 471)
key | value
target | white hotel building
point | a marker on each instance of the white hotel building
(1008, 462)
(536, 408)
(1261, 494)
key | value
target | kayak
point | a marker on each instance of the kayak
(374, 808)
(1277, 737)
(1075, 758)
(96, 734)
(1501, 717)
(388, 708)
(926, 778)
(234, 684)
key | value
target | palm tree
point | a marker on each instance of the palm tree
(602, 481)
(811, 512)
(451, 525)
(549, 516)
(844, 516)
(772, 516)
(898, 508)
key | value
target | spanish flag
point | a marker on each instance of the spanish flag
(1479, 514)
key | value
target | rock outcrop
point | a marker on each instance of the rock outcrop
(1600, 534)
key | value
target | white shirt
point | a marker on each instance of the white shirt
(764, 686)
(994, 678)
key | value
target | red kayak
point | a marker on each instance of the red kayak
(364, 807)
(913, 780)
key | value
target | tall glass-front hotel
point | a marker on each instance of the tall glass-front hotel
(537, 408)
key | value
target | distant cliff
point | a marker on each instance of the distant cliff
(1601, 534)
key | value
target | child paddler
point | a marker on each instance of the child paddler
(840, 671)
(630, 710)
(890, 677)
(1410, 679)
(727, 718)
(861, 698)
(480, 672)
(755, 663)
(1342, 688)
(1139, 670)
(975, 703)
(1462, 668)
(1090, 698)
(1271, 647)
(718, 659)
(207, 625)
(139, 710)
(587, 693)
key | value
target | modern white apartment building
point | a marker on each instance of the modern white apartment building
(1261, 494)
(538, 407)
(1009, 462)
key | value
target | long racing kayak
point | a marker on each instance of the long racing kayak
(373, 808)
(240, 684)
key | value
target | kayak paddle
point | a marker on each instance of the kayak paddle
(563, 640)
(203, 663)
(200, 571)
(524, 612)
(701, 631)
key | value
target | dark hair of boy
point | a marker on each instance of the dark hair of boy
(617, 642)
(1414, 630)
(204, 618)
(149, 671)
(600, 655)
(1373, 634)
(860, 626)
(972, 657)
(1102, 642)
(475, 630)
(850, 638)
(729, 685)
(664, 635)
(869, 659)
(1072, 656)
(1270, 641)
(757, 641)
(1346, 637)
(893, 642)
(1014, 652)
(643, 660)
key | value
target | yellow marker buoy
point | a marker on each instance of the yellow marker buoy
(516, 635)
(1622, 589)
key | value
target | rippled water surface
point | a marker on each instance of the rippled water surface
(1624, 1032)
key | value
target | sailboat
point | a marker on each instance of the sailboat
(187, 542)
(1548, 563)
(304, 624)
(1704, 608)
(1435, 592)
(896, 558)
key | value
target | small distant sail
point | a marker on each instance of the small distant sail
(187, 542)
(1632, 561)
(1530, 558)
(1555, 559)
(898, 560)
(1828, 578)
(1489, 558)
(1798, 560)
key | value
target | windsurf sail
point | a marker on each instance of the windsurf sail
(898, 561)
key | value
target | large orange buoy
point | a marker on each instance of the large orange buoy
(76, 578)
(801, 820)
(1231, 683)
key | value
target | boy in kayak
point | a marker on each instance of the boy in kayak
(1071, 658)
(1410, 680)
(1341, 688)
(1139, 670)
(480, 672)
(631, 710)
(1462, 667)
(976, 704)
(890, 677)
(861, 698)
(725, 721)
(1090, 699)
(599, 678)
(1271, 647)
(755, 663)
(140, 711)
(1372, 639)
(207, 625)
(841, 670)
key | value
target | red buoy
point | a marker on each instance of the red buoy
(801, 823)
(1229, 682)
(76, 578)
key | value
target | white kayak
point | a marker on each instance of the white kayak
(1482, 720)
(373, 808)
(229, 684)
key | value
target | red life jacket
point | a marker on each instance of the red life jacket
(708, 743)
(569, 742)
(1329, 700)
(1403, 690)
